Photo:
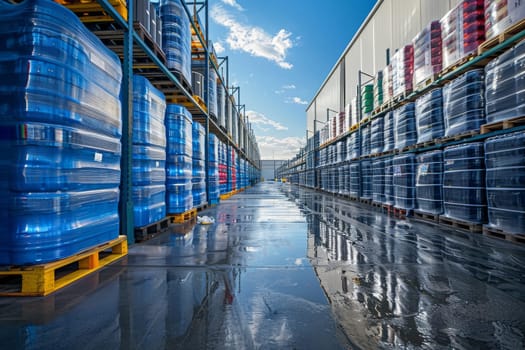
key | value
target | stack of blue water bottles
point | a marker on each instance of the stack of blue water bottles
(179, 198)
(213, 169)
(199, 171)
(176, 37)
(61, 127)
(149, 153)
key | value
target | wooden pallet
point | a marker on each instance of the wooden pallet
(401, 213)
(401, 99)
(388, 208)
(202, 207)
(421, 215)
(500, 234)
(465, 135)
(383, 108)
(376, 204)
(425, 144)
(498, 39)
(186, 102)
(456, 65)
(460, 224)
(226, 196)
(142, 63)
(148, 40)
(92, 12)
(149, 231)
(365, 201)
(502, 125)
(427, 82)
(44, 279)
(353, 198)
(184, 228)
(183, 217)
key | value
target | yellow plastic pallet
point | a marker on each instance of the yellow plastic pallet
(91, 11)
(182, 218)
(41, 280)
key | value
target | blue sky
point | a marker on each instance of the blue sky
(279, 53)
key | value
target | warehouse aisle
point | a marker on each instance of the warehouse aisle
(285, 267)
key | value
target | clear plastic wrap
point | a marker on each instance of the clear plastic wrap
(428, 58)
(221, 113)
(403, 181)
(502, 14)
(429, 182)
(333, 127)
(354, 116)
(149, 165)
(388, 132)
(388, 87)
(378, 180)
(149, 109)
(505, 85)
(389, 181)
(200, 67)
(149, 204)
(178, 130)
(462, 30)
(149, 153)
(179, 166)
(213, 167)
(198, 165)
(341, 151)
(403, 70)
(464, 103)
(505, 179)
(464, 182)
(429, 116)
(355, 179)
(342, 123)
(365, 139)
(367, 98)
(198, 141)
(176, 37)
(223, 169)
(366, 179)
(61, 128)
(377, 135)
(378, 90)
(405, 133)
(353, 146)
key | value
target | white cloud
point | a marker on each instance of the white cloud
(279, 92)
(289, 87)
(280, 148)
(260, 120)
(219, 48)
(254, 40)
(233, 3)
(296, 100)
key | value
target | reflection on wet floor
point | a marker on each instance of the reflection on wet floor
(288, 268)
(399, 283)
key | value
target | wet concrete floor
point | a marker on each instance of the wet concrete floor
(288, 268)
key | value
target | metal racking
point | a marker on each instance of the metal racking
(116, 29)
(293, 168)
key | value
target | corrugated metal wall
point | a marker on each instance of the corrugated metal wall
(394, 24)
(329, 97)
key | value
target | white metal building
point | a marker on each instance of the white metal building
(390, 25)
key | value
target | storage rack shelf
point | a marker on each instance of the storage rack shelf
(139, 54)
(296, 166)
